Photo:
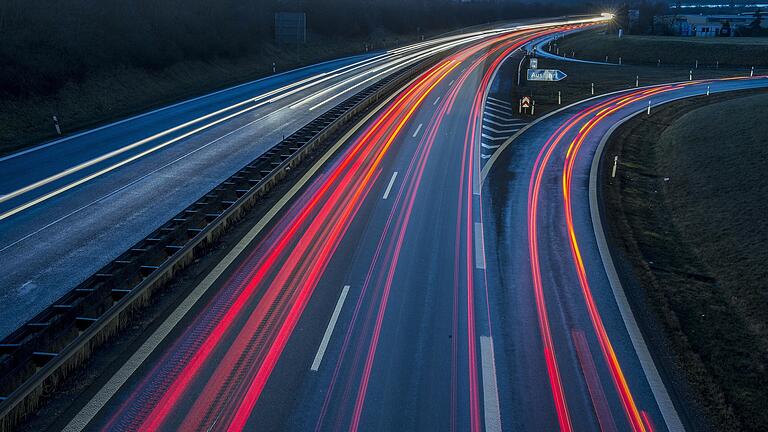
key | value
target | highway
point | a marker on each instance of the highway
(566, 339)
(362, 304)
(70, 206)
(423, 278)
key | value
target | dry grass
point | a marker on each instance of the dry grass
(687, 211)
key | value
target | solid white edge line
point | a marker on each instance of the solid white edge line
(329, 330)
(92, 408)
(418, 129)
(489, 164)
(490, 388)
(479, 246)
(655, 382)
(389, 186)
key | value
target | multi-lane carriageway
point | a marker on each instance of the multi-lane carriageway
(70, 206)
(361, 303)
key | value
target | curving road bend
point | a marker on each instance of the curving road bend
(364, 305)
(567, 342)
(70, 206)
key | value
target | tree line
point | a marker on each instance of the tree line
(48, 44)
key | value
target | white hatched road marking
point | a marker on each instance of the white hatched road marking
(497, 105)
(511, 122)
(493, 108)
(486, 136)
(509, 119)
(506, 131)
(489, 146)
(503, 102)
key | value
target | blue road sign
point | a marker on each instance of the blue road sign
(545, 75)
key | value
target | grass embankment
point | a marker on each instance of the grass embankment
(679, 51)
(125, 91)
(607, 78)
(686, 216)
(639, 64)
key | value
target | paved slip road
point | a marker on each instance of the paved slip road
(564, 355)
(363, 305)
(70, 206)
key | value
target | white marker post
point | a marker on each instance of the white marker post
(56, 125)
(649, 107)
(533, 106)
(593, 88)
(606, 59)
(697, 65)
(559, 99)
(619, 61)
(717, 64)
(615, 162)
(274, 68)
(637, 80)
(752, 72)
(690, 75)
(707, 90)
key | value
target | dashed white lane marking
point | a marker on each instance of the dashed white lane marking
(418, 129)
(488, 146)
(92, 408)
(436, 101)
(389, 186)
(329, 329)
(490, 389)
(479, 246)
(451, 83)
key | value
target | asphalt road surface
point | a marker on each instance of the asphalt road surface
(569, 355)
(70, 206)
(365, 303)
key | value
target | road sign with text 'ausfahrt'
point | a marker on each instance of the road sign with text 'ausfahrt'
(545, 75)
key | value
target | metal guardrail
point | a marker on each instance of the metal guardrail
(37, 356)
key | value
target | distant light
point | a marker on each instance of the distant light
(607, 15)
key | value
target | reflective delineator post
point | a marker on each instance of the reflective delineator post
(593, 88)
(707, 90)
(637, 80)
(559, 98)
(752, 72)
(649, 107)
(690, 75)
(56, 125)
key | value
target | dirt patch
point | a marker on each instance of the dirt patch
(685, 219)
